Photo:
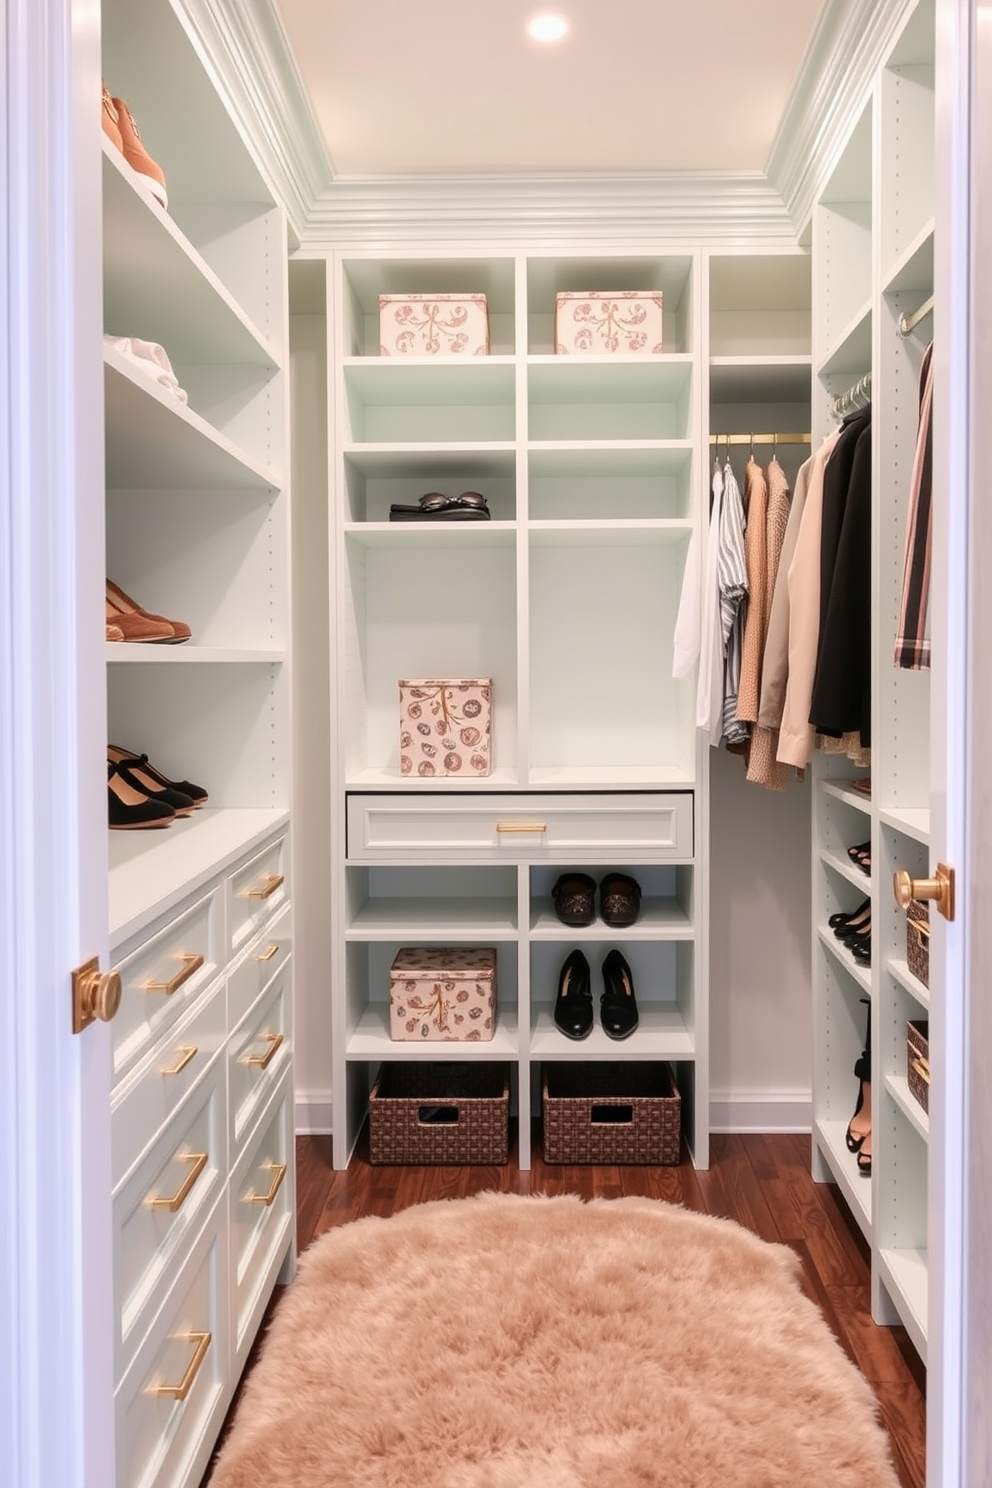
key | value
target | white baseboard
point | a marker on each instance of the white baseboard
(761, 1111)
(313, 1113)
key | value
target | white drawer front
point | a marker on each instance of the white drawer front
(258, 964)
(147, 1100)
(258, 1054)
(257, 891)
(262, 1209)
(164, 976)
(159, 1208)
(170, 1404)
(627, 826)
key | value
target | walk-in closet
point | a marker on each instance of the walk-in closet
(558, 709)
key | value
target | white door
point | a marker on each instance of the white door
(960, 1346)
(56, 1305)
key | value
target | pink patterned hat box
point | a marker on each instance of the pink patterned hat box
(446, 726)
(629, 321)
(447, 993)
(433, 325)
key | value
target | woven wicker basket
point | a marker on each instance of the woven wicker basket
(918, 1060)
(450, 1114)
(611, 1113)
(918, 939)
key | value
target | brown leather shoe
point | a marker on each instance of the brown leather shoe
(574, 897)
(142, 625)
(619, 899)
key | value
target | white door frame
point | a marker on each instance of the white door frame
(56, 1295)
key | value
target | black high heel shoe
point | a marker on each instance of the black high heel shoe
(573, 1005)
(618, 1005)
(862, 850)
(855, 922)
(855, 1139)
(845, 918)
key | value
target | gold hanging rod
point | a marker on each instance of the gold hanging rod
(759, 439)
(909, 323)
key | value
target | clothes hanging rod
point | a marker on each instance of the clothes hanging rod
(760, 439)
(909, 323)
(857, 396)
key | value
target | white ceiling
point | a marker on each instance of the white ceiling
(404, 87)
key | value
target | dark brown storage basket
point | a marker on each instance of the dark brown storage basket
(918, 1060)
(440, 1113)
(611, 1113)
(918, 939)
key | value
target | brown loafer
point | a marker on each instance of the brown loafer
(574, 897)
(619, 899)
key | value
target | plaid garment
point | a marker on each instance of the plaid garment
(912, 647)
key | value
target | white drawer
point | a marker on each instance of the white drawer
(256, 891)
(149, 1097)
(257, 1056)
(170, 1404)
(622, 826)
(159, 1208)
(164, 975)
(262, 1212)
(249, 976)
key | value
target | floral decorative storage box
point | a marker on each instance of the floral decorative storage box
(446, 726)
(445, 992)
(629, 322)
(433, 325)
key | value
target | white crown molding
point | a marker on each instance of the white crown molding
(244, 42)
(850, 42)
(577, 209)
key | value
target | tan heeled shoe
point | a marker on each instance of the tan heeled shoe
(136, 155)
(139, 624)
(111, 123)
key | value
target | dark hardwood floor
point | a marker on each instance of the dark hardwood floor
(763, 1182)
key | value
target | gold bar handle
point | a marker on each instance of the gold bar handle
(262, 1061)
(180, 1391)
(188, 1052)
(191, 963)
(521, 826)
(178, 1199)
(922, 1068)
(270, 950)
(272, 882)
(279, 1169)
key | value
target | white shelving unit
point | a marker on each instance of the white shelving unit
(873, 240)
(197, 528)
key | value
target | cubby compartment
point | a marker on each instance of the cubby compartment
(907, 137)
(373, 482)
(365, 279)
(760, 306)
(611, 486)
(603, 704)
(456, 904)
(668, 906)
(839, 1037)
(442, 607)
(662, 973)
(902, 1224)
(843, 256)
(611, 398)
(394, 402)
(673, 277)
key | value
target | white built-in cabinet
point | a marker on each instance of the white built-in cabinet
(200, 913)
(873, 251)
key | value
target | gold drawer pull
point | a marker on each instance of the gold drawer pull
(269, 952)
(272, 882)
(180, 1391)
(279, 1169)
(176, 1201)
(922, 1068)
(191, 962)
(262, 1061)
(188, 1052)
(521, 826)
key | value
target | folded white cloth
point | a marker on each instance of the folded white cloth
(149, 358)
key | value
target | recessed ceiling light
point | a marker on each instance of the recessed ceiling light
(547, 27)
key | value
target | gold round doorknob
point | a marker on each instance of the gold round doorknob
(101, 994)
(904, 888)
(940, 889)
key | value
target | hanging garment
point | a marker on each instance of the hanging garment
(688, 622)
(775, 663)
(840, 703)
(732, 568)
(912, 647)
(709, 684)
(756, 557)
(762, 766)
(795, 744)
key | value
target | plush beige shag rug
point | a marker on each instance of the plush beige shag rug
(527, 1342)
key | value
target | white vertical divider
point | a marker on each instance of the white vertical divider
(522, 432)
